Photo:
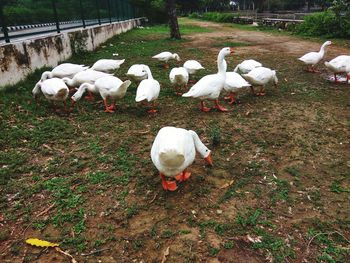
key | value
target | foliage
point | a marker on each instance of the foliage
(215, 17)
(41, 11)
(327, 24)
(154, 10)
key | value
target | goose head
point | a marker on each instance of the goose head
(226, 51)
(46, 75)
(177, 57)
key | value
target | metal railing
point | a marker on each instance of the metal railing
(60, 15)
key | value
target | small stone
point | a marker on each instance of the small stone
(219, 212)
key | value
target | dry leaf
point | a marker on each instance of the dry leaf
(166, 253)
(40, 243)
(254, 239)
(226, 184)
(67, 254)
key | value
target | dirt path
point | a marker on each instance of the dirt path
(259, 41)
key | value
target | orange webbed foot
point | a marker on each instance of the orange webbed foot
(169, 185)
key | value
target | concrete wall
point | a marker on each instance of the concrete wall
(17, 60)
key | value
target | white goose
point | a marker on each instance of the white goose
(137, 72)
(338, 65)
(109, 87)
(210, 86)
(173, 150)
(148, 89)
(192, 66)
(312, 58)
(53, 89)
(107, 65)
(86, 76)
(260, 77)
(246, 66)
(234, 82)
(166, 56)
(179, 77)
(63, 70)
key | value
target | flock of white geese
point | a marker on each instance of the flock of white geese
(173, 149)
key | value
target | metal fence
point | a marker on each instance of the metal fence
(37, 17)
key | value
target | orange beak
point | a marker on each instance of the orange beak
(231, 50)
(209, 160)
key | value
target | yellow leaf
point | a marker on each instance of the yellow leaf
(40, 243)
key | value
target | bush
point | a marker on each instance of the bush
(326, 24)
(215, 17)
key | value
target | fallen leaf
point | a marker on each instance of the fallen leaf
(254, 239)
(67, 254)
(165, 254)
(40, 243)
(226, 184)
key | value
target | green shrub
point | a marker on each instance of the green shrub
(326, 24)
(215, 17)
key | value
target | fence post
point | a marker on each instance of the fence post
(109, 11)
(98, 12)
(56, 17)
(3, 24)
(82, 13)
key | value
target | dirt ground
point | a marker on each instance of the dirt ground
(278, 190)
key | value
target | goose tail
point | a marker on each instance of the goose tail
(171, 158)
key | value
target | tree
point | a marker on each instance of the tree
(173, 24)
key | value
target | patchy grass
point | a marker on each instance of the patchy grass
(86, 180)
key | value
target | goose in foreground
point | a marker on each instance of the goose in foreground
(63, 70)
(53, 89)
(179, 78)
(165, 57)
(260, 77)
(86, 76)
(234, 82)
(246, 66)
(338, 65)
(137, 72)
(173, 151)
(210, 86)
(148, 90)
(108, 87)
(107, 65)
(312, 58)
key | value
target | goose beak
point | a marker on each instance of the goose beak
(209, 160)
(231, 50)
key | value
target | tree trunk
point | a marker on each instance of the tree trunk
(173, 24)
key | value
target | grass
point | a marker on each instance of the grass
(86, 181)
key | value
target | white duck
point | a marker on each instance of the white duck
(108, 87)
(246, 66)
(234, 82)
(107, 65)
(260, 77)
(173, 150)
(86, 76)
(63, 70)
(54, 89)
(312, 58)
(137, 72)
(166, 56)
(179, 77)
(338, 65)
(148, 89)
(210, 86)
(192, 66)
